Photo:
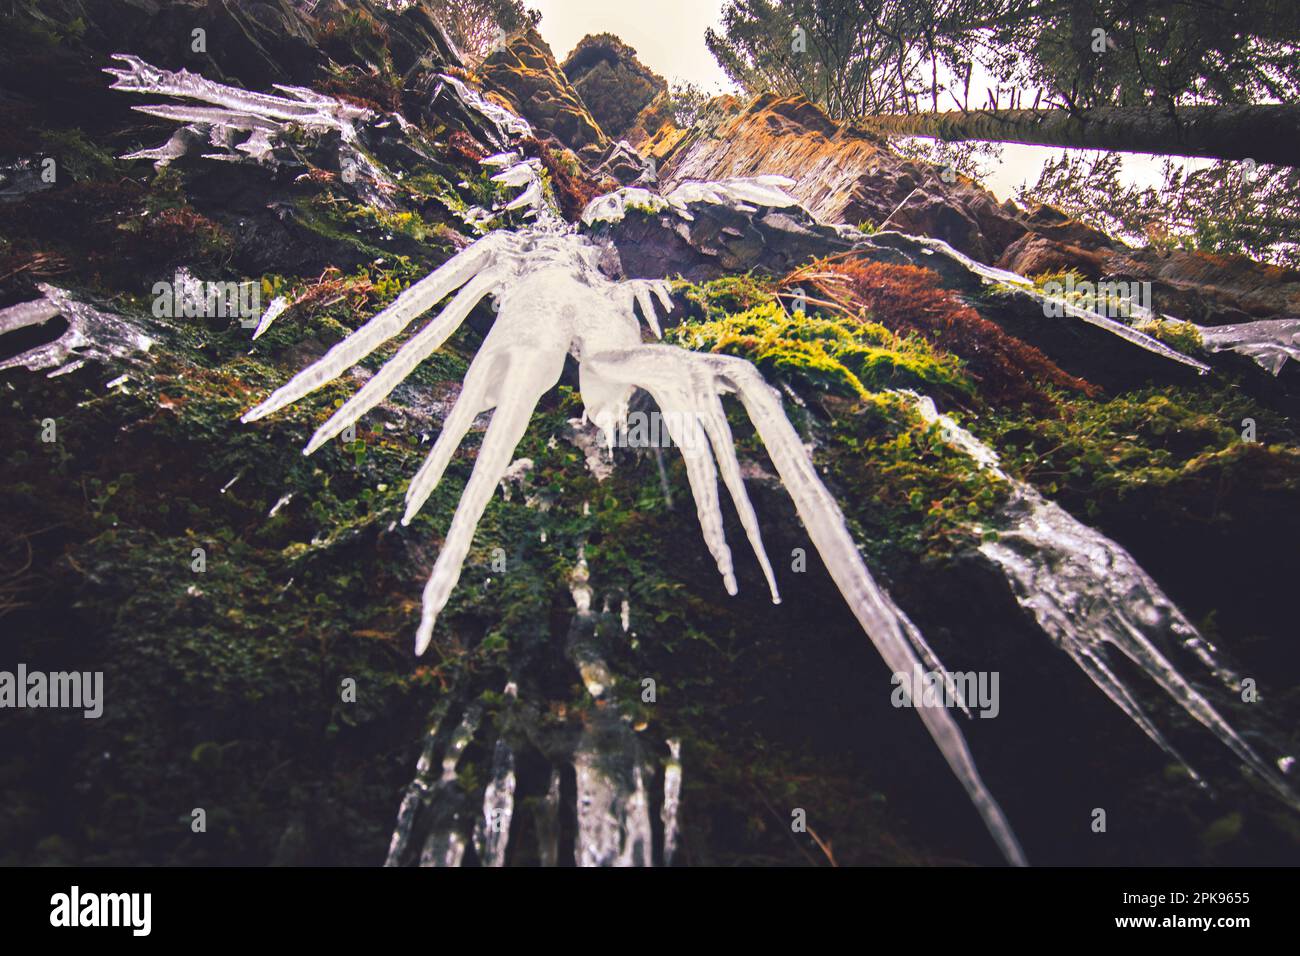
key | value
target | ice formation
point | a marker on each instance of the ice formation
(1270, 342)
(91, 334)
(933, 246)
(243, 125)
(553, 302)
(1087, 593)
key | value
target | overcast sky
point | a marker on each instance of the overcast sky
(668, 36)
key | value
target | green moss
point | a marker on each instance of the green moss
(840, 356)
(399, 222)
(724, 296)
(1140, 438)
(79, 157)
(1183, 336)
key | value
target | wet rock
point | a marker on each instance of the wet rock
(613, 83)
(847, 174)
(525, 73)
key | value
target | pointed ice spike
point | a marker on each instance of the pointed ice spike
(714, 419)
(416, 300)
(273, 312)
(396, 369)
(208, 115)
(472, 402)
(661, 368)
(642, 294)
(880, 620)
(702, 476)
(305, 94)
(1099, 673)
(663, 290)
(1084, 590)
(531, 375)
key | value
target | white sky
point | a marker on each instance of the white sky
(668, 36)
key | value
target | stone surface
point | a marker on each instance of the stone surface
(525, 73)
(613, 83)
(848, 175)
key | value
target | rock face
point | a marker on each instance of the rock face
(229, 669)
(613, 83)
(848, 175)
(525, 74)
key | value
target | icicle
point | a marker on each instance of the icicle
(1085, 592)
(91, 334)
(137, 76)
(412, 353)
(548, 823)
(613, 812)
(416, 300)
(415, 793)
(492, 832)
(1114, 326)
(554, 301)
(273, 312)
(1269, 342)
(672, 798)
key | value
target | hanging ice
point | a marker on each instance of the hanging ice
(1086, 593)
(1270, 342)
(242, 124)
(91, 334)
(553, 302)
(1125, 331)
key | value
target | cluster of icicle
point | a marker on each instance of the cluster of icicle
(91, 334)
(1088, 594)
(553, 302)
(1270, 342)
(239, 125)
(611, 778)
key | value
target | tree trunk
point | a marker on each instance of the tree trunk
(1264, 133)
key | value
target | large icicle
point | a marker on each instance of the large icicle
(1270, 342)
(416, 300)
(991, 274)
(1086, 592)
(492, 831)
(665, 369)
(555, 302)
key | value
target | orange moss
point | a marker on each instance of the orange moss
(462, 147)
(910, 299)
